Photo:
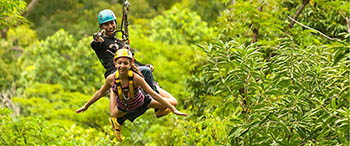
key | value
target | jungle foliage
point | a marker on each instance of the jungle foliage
(253, 72)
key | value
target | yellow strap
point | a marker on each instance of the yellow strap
(131, 84)
(120, 93)
(115, 124)
(119, 88)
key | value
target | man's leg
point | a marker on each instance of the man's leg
(146, 72)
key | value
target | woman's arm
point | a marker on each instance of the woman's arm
(106, 86)
(140, 81)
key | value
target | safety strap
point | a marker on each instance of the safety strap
(125, 23)
(119, 86)
(114, 122)
(131, 83)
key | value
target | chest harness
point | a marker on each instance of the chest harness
(119, 87)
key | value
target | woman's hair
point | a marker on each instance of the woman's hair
(136, 70)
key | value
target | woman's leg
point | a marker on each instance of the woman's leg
(115, 119)
(112, 101)
(113, 108)
(117, 113)
(161, 110)
(171, 99)
(156, 105)
(147, 73)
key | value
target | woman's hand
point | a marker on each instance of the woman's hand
(179, 113)
(82, 109)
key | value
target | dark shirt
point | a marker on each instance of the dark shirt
(105, 52)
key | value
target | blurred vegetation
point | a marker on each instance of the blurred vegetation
(244, 73)
(10, 13)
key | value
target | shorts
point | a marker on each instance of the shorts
(132, 115)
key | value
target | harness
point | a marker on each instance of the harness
(119, 86)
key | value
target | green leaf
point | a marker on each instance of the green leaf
(340, 54)
(334, 103)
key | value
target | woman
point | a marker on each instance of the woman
(126, 84)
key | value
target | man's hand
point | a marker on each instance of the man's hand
(99, 39)
(98, 36)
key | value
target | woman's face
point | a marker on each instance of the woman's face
(109, 27)
(122, 64)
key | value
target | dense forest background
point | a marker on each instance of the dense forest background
(248, 72)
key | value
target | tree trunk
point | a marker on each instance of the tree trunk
(256, 29)
(233, 2)
(305, 2)
(3, 33)
(244, 91)
(30, 7)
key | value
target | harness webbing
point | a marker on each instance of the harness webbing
(119, 86)
(131, 83)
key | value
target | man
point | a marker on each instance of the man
(105, 45)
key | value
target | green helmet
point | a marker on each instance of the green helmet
(105, 16)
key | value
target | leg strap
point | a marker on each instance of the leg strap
(116, 128)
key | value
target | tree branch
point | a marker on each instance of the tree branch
(313, 29)
(5, 100)
(346, 19)
(222, 78)
(227, 86)
(299, 12)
